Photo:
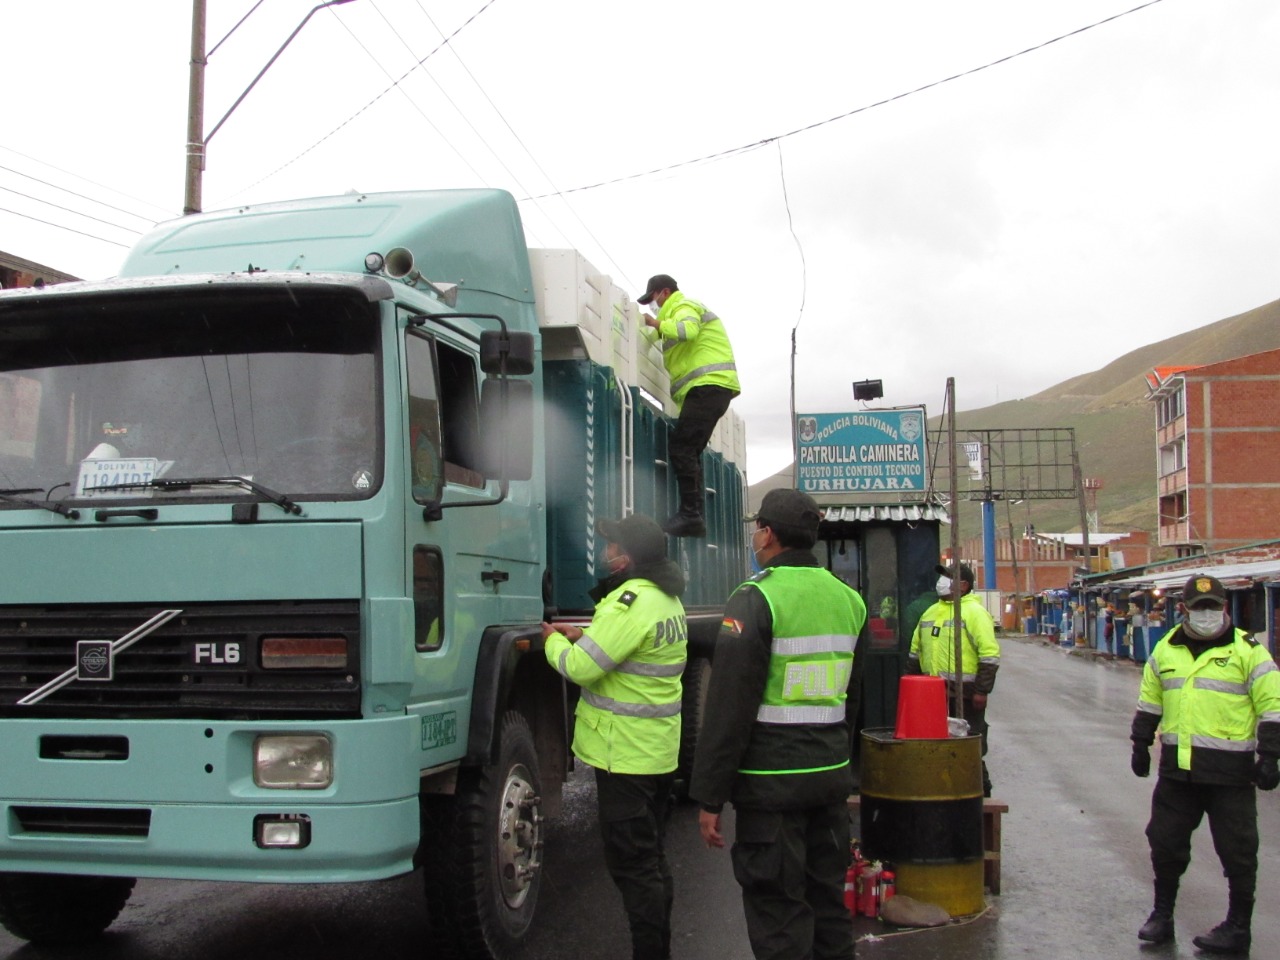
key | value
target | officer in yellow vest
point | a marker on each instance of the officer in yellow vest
(629, 662)
(704, 379)
(933, 650)
(775, 738)
(1214, 695)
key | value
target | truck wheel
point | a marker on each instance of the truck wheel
(482, 864)
(697, 678)
(56, 909)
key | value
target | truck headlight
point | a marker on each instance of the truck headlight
(293, 762)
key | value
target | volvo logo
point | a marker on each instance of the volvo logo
(93, 660)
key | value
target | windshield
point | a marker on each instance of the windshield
(277, 385)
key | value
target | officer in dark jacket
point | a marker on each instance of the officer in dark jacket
(1214, 695)
(775, 738)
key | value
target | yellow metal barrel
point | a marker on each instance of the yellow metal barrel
(921, 810)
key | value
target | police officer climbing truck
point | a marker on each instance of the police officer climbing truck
(1213, 694)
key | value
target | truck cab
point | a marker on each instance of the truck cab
(282, 508)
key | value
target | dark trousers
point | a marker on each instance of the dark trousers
(1176, 810)
(633, 816)
(791, 869)
(977, 720)
(701, 411)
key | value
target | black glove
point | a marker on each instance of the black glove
(1267, 773)
(1140, 763)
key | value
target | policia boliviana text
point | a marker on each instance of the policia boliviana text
(629, 662)
(775, 738)
(1214, 694)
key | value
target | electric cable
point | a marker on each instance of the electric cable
(80, 195)
(233, 30)
(529, 153)
(437, 49)
(413, 103)
(50, 223)
(724, 154)
(58, 206)
(167, 212)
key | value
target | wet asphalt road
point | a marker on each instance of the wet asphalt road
(1076, 879)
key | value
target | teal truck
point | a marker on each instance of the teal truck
(281, 510)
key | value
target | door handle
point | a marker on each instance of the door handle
(494, 576)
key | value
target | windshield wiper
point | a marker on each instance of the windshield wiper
(54, 506)
(181, 483)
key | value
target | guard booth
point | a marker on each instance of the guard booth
(868, 469)
(887, 552)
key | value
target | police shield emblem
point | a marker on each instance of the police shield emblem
(910, 426)
(808, 429)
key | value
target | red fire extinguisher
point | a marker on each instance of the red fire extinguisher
(868, 901)
(888, 886)
(851, 880)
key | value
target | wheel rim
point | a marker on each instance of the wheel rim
(519, 837)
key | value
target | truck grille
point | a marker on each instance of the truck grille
(183, 669)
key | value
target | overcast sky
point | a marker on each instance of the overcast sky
(1011, 228)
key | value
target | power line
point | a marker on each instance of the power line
(724, 154)
(50, 223)
(442, 45)
(400, 36)
(167, 212)
(529, 153)
(80, 195)
(413, 103)
(58, 206)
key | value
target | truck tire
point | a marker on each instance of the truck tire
(697, 678)
(482, 854)
(56, 909)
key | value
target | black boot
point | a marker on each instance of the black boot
(1232, 935)
(687, 522)
(1159, 926)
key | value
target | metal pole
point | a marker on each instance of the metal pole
(197, 142)
(195, 112)
(296, 30)
(1084, 525)
(957, 647)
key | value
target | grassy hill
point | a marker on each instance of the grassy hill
(1114, 424)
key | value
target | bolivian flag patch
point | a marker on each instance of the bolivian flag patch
(731, 626)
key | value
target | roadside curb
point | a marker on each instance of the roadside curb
(1084, 653)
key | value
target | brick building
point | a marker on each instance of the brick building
(16, 272)
(1050, 561)
(1218, 453)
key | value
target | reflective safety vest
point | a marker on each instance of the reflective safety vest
(695, 347)
(933, 643)
(1209, 706)
(816, 619)
(629, 664)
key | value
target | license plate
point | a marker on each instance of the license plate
(96, 474)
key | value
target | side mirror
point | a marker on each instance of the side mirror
(506, 412)
(516, 347)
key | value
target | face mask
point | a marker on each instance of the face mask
(943, 586)
(1205, 622)
(612, 566)
(755, 552)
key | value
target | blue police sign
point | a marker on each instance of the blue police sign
(866, 452)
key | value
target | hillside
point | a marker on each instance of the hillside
(1113, 421)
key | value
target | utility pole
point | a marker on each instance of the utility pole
(956, 621)
(195, 111)
(197, 142)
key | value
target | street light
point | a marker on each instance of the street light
(196, 139)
